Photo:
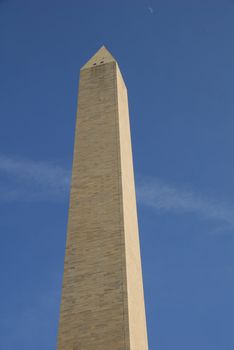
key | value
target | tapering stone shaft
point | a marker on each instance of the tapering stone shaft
(102, 304)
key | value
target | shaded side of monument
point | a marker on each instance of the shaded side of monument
(102, 305)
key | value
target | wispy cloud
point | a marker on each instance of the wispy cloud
(151, 10)
(165, 198)
(27, 180)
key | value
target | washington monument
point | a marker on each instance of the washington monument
(102, 305)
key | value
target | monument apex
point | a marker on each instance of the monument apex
(100, 57)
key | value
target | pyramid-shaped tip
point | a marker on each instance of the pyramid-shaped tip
(100, 57)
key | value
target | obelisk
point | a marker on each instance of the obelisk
(102, 305)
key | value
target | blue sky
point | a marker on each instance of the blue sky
(177, 60)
